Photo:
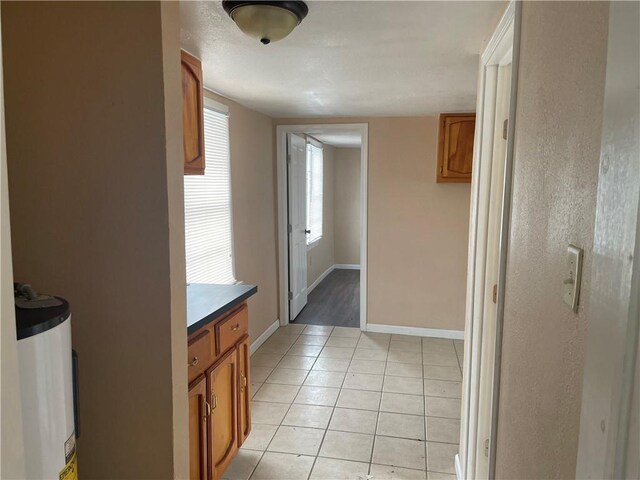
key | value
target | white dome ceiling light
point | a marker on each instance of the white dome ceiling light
(266, 21)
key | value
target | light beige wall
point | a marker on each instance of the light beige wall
(347, 206)
(12, 461)
(557, 141)
(418, 230)
(321, 257)
(90, 185)
(253, 205)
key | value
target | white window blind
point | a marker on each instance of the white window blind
(314, 193)
(207, 205)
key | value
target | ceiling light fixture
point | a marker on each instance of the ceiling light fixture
(266, 21)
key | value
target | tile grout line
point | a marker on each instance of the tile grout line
(292, 403)
(335, 405)
(266, 449)
(324, 435)
(458, 357)
(342, 387)
(253, 471)
(424, 403)
(375, 432)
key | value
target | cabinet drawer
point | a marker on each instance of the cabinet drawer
(200, 353)
(232, 329)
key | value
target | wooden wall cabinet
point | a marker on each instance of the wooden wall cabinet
(219, 393)
(455, 147)
(192, 115)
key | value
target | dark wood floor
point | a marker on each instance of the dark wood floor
(335, 301)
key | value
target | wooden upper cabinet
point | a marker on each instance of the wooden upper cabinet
(198, 418)
(223, 433)
(455, 147)
(192, 115)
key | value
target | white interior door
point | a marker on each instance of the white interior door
(496, 197)
(297, 176)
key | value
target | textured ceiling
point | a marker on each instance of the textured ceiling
(348, 58)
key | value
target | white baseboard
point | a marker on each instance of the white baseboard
(320, 278)
(265, 336)
(458, 467)
(416, 331)
(347, 266)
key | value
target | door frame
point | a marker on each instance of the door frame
(282, 186)
(505, 40)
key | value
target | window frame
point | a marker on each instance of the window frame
(317, 144)
(222, 109)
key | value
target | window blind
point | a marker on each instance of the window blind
(207, 204)
(314, 193)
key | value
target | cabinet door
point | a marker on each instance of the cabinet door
(223, 394)
(198, 418)
(244, 395)
(192, 115)
(455, 147)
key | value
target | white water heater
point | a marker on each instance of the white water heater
(48, 372)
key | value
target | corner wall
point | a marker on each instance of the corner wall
(12, 461)
(346, 206)
(91, 177)
(557, 150)
(170, 18)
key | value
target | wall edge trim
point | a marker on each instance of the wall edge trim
(416, 331)
(271, 329)
(322, 276)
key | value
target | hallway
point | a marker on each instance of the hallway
(335, 301)
(335, 403)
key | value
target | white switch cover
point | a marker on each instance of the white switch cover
(571, 282)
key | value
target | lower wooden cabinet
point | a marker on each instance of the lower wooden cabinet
(244, 382)
(223, 427)
(198, 422)
(219, 407)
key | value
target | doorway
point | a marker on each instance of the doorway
(322, 224)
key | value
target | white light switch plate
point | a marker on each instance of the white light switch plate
(573, 277)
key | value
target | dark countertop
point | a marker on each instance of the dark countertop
(207, 302)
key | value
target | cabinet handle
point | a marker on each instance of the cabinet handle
(207, 409)
(236, 327)
(244, 379)
(193, 362)
(214, 401)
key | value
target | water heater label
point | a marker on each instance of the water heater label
(70, 470)
(70, 447)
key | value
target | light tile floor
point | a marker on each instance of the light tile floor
(331, 403)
